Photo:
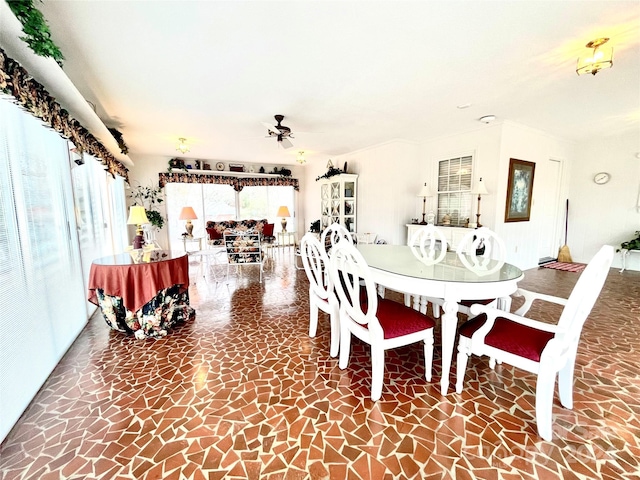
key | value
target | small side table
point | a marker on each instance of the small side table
(186, 240)
(286, 239)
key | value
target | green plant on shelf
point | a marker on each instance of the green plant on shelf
(633, 244)
(36, 30)
(150, 198)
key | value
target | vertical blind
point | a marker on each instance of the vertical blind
(54, 222)
(42, 306)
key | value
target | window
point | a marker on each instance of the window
(213, 202)
(454, 190)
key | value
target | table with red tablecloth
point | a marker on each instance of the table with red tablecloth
(144, 296)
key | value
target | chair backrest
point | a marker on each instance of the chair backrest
(584, 295)
(334, 234)
(482, 251)
(243, 247)
(316, 266)
(428, 244)
(347, 268)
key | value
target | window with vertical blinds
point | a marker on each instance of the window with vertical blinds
(454, 190)
(42, 306)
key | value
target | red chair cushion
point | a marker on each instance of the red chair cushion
(214, 234)
(468, 303)
(512, 337)
(398, 320)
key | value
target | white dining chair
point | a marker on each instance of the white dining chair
(429, 245)
(482, 252)
(381, 323)
(334, 234)
(321, 292)
(545, 349)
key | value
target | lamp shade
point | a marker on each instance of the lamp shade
(424, 191)
(187, 213)
(480, 188)
(137, 215)
(283, 211)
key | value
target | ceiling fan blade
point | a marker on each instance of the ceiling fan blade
(286, 143)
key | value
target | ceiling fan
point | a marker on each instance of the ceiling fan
(282, 133)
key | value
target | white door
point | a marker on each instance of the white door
(552, 208)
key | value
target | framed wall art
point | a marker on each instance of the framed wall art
(519, 190)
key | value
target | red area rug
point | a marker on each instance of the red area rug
(567, 267)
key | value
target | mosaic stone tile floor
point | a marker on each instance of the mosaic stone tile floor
(242, 392)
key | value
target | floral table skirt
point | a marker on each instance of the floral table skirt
(154, 319)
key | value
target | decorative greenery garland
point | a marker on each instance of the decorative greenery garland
(118, 136)
(37, 33)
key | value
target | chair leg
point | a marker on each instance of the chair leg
(428, 356)
(313, 318)
(335, 332)
(565, 382)
(345, 346)
(544, 401)
(377, 372)
(464, 350)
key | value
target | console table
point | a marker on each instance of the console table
(145, 298)
(624, 253)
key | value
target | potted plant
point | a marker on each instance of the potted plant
(633, 244)
(150, 198)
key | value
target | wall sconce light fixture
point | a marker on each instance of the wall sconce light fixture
(300, 158)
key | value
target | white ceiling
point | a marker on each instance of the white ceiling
(346, 74)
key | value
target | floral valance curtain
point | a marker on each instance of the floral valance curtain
(34, 98)
(238, 183)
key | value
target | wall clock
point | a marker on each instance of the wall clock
(601, 178)
(220, 166)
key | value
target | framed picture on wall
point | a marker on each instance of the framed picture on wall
(519, 190)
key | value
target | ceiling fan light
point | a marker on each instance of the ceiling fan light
(597, 60)
(182, 145)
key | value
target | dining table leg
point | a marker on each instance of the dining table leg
(449, 325)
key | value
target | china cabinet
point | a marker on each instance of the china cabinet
(339, 201)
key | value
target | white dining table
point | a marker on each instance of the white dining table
(395, 267)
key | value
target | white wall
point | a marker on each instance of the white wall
(389, 178)
(605, 214)
(523, 239)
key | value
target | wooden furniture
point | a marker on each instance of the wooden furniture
(243, 248)
(338, 201)
(542, 348)
(321, 292)
(145, 298)
(381, 323)
(453, 234)
(395, 267)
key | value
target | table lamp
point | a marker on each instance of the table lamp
(480, 189)
(283, 212)
(424, 193)
(188, 214)
(138, 217)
